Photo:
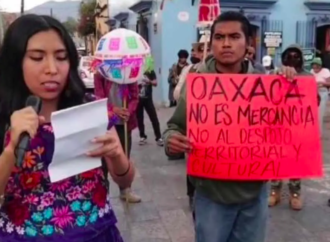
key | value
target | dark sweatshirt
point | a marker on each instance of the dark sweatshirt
(302, 71)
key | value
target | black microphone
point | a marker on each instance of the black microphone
(24, 141)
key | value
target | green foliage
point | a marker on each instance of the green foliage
(71, 25)
(86, 24)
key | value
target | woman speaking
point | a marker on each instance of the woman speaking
(39, 58)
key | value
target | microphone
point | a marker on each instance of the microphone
(24, 141)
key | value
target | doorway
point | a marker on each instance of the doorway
(142, 27)
(322, 37)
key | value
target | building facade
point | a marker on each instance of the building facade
(101, 18)
(171, 26)
(5, 20)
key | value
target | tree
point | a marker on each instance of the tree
(86, 24)
(71, 25)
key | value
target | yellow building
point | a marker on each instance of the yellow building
(101, 16)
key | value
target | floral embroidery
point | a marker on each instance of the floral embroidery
(29, 160)
(30, 181)
(31, 199)
(62, 217)
(48, 128)
(17, 212)
(47, 199)
(100, 196)
(47, 230)
(60, 186)
(89, 174)
(34, 207)
(73, 193)
(39, 151)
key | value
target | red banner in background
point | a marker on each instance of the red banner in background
(162, 4)
(250, 127)
(208, 11)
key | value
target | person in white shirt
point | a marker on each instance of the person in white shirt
(322, 77)
(196, 57)
(267, 63)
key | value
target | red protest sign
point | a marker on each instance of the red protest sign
(250, 127)
(208, 11)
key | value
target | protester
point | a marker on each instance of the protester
(250, 53)
(325, 56)
(174, 74)
(107, 89)
(322, 76)
(293, 57)
(226, 211)
(39, 57)
(251, 56)
(146, 103)
(196, 56)
(193, 60)
(267, 63)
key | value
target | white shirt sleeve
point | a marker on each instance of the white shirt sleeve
(325, 73)
(181, 81)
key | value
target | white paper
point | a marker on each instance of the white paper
(74, 129)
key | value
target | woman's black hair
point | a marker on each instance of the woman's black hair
(183, 54)
(13, 90)
(233, 16)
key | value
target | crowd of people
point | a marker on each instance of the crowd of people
(38, 57)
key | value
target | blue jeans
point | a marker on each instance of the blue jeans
(216, 222)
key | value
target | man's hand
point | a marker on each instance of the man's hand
(178, 143)
(287, 71)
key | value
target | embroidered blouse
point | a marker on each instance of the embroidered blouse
(75, 209)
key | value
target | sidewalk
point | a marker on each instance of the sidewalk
(164, 215)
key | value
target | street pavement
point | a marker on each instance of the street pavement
(163, 215)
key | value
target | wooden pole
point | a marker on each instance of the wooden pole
(207, 37)
(22, 7)
(126, 142)
(125, 127)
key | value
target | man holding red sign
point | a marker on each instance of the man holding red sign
(226, 211)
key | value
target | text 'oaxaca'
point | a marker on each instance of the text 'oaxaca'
(253, 127)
